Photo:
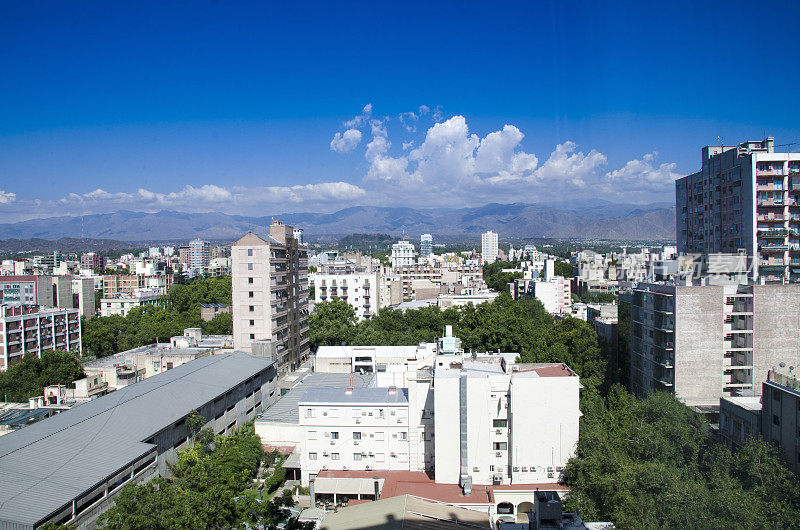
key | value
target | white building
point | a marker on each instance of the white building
(489, 247)
(360, 290)
(25, 329)
(354, 428)
(122, 304)
(425, 244)
(554, 293)
(390, 363)
(402, 254)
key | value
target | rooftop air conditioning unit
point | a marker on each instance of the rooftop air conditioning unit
(324, 468)
(345, 468)
(524, 469)
(475, 469)
(355, 442)
(498, 454)
(358, 421)
(368, 468)
(515, 469)
(371, 453)
(498, 431)
(333, 442)
(392, 454)
(325, 453)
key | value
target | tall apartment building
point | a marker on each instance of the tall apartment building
(199, 254)
(489, 247)
(744, 197)
(425, 244)
(270, 293)
(93, 260)
(706, 342)
(402, 254)
(360, 290)
(36, 329)
(555, 293)
(130, 284)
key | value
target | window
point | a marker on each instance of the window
(312, 435)
(252, 322)
(252, 336)
(356, 436)
(500, 423)
(776, 395)
(252, 308)
(309, 413)
(381, 413)
(312, 456)
(249, 280)
(404, 435)
(500, 446)
(250, 294)
(357, 457)
(379, 436)
(776, 420)
(249, 266)
(334, 435)
(334, 456)
(249, 251)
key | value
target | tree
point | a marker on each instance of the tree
(222, 324)
(562, 268)
(331, 324)
(28, 377)
(498, 280)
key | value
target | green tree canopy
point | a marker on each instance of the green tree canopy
(27, 378)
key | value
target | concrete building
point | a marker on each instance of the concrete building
(360, 290)
(93, 261)
(391, 363)
(27, 290)
(744, 197)
(121, 304)
(83, 296)
(425, 245)
(780, 421)
(489, 247)
(129, 284)
(270, 293)
(211, 310)
(199, 254)
(706, 342)
(68, 468)
(36, 329)
(739, 418)
(402, 254)
(555, 294)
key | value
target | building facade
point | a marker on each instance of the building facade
(425, 244)
(402, 254)
(744, 197)
(270, 293)
(36, 329)
(199, 254)
(359, 290)
(121, 304)
(489, 247)
(93, 261)
(706, 342)
(780, 414)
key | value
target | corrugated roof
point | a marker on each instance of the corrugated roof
(356, 395)
(46, 465)
(285, 409)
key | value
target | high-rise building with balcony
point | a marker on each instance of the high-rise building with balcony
(199, 254)
(705, 342)
(489, 247)
(425, 244)
(270, 294)
(744, 197)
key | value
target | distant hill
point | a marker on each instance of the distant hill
(588, 220)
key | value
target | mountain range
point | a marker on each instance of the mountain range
(590, 220)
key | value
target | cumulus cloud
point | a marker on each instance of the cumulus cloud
(361, 119)
(450, 163)
(6, 197)
(346, 141)
(643, 174)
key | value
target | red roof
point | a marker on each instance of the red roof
(421, 485)
(559, 370)
(285, 450)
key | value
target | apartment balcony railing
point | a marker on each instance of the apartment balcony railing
(770, 219)
(773, 248)
(778, 233)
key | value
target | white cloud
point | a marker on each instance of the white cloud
(6, 197)
(453, 164)
(643, 175)
(361, 119)
(346, 141)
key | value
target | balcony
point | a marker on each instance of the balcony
(773, 248)
(771, 219)
(778, 233)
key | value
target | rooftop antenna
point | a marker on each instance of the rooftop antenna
(721, 143)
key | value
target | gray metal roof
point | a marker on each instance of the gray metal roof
(46, 465)
(285, 409)
(379, 396)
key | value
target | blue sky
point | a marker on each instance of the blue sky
(233, 106)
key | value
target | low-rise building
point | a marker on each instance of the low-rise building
(121, 304)
(209, 310)
(359, 290)
(68, 469)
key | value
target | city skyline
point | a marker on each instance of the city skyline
(246, 110)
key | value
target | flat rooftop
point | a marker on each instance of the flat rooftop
(348, 396)
(382, 351)
(285, 409)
